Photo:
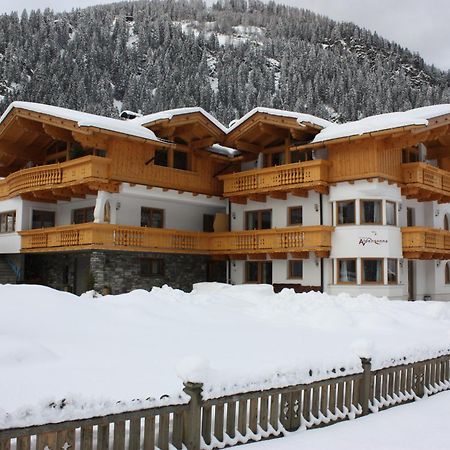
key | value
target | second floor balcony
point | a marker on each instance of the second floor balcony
(297, 177)
(425, 243)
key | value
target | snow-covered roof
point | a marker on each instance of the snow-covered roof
(382, 122)
(149, 118)
(85, 119)
(300, 117)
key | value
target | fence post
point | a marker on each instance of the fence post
(192, 423)
(364, 392)
(419, 380)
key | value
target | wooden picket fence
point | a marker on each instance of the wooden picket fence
(240, 418)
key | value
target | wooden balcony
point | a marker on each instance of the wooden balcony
(300, 240)
(59, 181)
(275, 241)
(425, 182)
(296, 178)
(425, 243)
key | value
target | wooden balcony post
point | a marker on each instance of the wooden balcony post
(365, 386)
(192, 422)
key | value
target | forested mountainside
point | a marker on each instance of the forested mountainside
(228, 58)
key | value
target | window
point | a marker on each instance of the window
(301, 156)
(180, 160)
(177, 159)
(410, 155)
(43, 219)
(371, 211)
(295, 215)
(151, 267)
(410, 217)
(83, 215)
(346, 271)
(447, 272)
(392, 271)
(258, 272)
(391, 213)
(275, 159)
(161, 157)
(295, 268)
(8, 222)
(346, 212)
(446, 227)
(258, 220)
(152, 218)
(208, 222)
(372, 271)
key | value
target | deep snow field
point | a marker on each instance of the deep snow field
(94, 352)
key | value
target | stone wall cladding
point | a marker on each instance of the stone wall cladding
(121, 271)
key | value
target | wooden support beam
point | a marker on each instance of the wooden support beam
(299, 255)
(239, 200)
(321, 189)
(299, 193)
(258, 198)
(238, 257)
(203, 143)
(277, 255)
(278, 195)
(257, 256)
(59, 134)
(322, 254)
(30, 125)
(242, 145)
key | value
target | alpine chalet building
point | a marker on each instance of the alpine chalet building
(176, 197)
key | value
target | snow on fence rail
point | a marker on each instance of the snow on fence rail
(240, 418)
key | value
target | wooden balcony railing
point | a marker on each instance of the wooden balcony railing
(425, 243)
(56, 176)
(426, 182)
(118, 237)
(285, 178)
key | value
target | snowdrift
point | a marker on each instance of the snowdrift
(64, 356)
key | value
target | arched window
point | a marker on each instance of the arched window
(446, 227)
(107, 212)
(447, 272)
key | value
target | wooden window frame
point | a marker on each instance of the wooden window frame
(390, 202)
(387, 271)
(11, 213)
(259, 211)
(33, 211)
(363, 281)
(85, 209)
(289, 218)
(352, 283)
(149, 262)
(308, 156)
(170, 158)
(337, 214)
(152, 210)
(259, 274)
(361, 203)
(291, 276)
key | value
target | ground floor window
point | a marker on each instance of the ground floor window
(151, 267)
(258, 272)
(295, 269)
(372, 271)
(7, 222)
(392, 271)
(346, 271)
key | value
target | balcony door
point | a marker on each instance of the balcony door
(258, 220)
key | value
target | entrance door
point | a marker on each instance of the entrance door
(82, 266)
(411, 281)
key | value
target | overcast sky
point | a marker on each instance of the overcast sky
(422, 26)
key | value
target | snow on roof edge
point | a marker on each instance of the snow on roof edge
(168, 114)
(301, 117)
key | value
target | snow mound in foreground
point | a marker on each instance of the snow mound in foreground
(64, 356)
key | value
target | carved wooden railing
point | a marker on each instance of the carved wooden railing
(425, 243)
(53, 176)
(216, 422)
(119, 237)
(426, 182)
(304, 175)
